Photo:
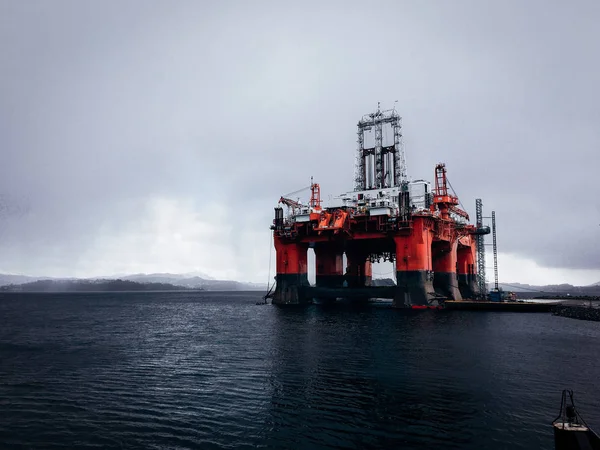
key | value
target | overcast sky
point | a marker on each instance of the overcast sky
(157, 136)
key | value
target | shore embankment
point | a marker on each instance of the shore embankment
(577, 312)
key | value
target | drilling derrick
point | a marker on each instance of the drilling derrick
(383, 164)
(386, 217)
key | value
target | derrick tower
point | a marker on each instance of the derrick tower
(383, 164)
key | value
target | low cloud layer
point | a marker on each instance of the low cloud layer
(158, 136)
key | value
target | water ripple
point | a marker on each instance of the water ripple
(214, 370)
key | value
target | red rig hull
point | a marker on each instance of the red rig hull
(433, 258)
(421, 230)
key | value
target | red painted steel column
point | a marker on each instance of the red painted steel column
(445, 281)
(359, 271)
(329, 265)
(368, 271)
(465, 268)
(292, 275)
(413, 266)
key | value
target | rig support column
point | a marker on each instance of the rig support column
(413, 267)
(329, 264)
(359, 271)
(467, 276)
(445, 281)
(292, 275)
(368, 273)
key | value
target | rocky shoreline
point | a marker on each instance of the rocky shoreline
(577, 312)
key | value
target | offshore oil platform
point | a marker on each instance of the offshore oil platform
(438, 254)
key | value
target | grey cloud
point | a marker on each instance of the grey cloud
(105, 105)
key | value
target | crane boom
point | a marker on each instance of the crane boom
(459, 212)
(289, 202)
(296, 192)
(315, 197)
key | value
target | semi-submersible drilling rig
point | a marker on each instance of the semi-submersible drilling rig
(386, 217)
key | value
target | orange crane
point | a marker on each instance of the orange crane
(315, 195)
(445, 202)
(315, 198)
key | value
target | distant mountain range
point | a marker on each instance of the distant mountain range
(176, 280)
(554, 288)
(88, 286)
(528, 290)
(203, 281)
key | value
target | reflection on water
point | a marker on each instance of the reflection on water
(213, 370)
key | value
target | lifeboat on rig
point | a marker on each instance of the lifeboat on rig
(332, 221)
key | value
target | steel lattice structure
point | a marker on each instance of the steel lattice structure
(495, 250)
(480, 249)
(381, 166)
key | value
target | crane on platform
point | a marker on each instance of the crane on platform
(289, 202)
(315, 198)
(445, 202)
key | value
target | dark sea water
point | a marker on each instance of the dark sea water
(214, 370)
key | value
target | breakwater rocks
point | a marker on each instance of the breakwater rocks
(577, 312)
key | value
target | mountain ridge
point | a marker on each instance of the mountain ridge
(528, 290)
(197, 280)
(558, 288)
(182, 280)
